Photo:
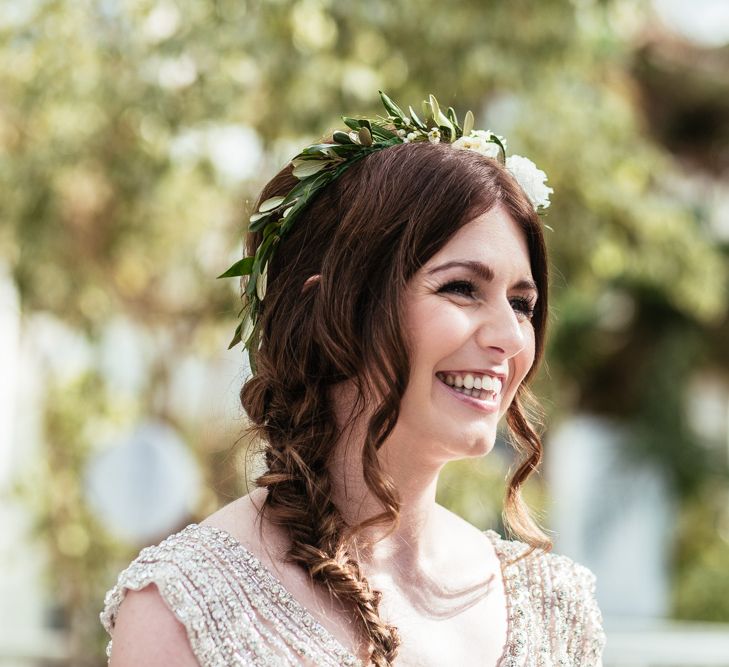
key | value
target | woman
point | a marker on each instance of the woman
(396, 303)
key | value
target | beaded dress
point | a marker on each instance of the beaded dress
(237, 614)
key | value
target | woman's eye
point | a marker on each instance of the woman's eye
(459, 287)
(523, 306)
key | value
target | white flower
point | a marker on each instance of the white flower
(531, 180)
(401, 133)
(484, 134)
(412, 136)
(479, 141)
(434, 135)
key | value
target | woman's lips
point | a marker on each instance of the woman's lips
(485, 401)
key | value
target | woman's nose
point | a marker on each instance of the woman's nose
(500, 330)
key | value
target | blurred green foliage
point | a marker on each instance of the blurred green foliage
(113, 201)
(702, 554)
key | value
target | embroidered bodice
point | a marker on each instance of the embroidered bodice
(238, 614)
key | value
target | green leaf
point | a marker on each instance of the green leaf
(258, 216)
(434, 106)
(271, 227)
(263, 253)
(451, 113)
(318, 148)
(342, 138)
(241, 268)
(270, 204)
(310, 187)
(351, 123)
(307, 168)
(497, 141)
(291, 217)
(258, 225)
(247, 326)
(393, 109)
(445, 124)
(382, 132)
(427, 113)
(262, 283)
(416, 121)
(293, 196)
(305, 191)
(468, 123)
(251, 345)
(236, 337)
(346, 150)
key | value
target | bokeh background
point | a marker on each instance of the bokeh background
(135, 133)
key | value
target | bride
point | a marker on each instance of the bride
(395, 307)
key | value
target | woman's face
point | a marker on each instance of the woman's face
(468, 319)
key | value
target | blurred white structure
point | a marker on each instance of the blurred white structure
(145, 485)
(24, 636)
(616, 517)
(612, 515)
(666, 644)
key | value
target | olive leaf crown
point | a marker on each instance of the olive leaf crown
(319, 164)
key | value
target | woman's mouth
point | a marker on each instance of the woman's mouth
(475, 385)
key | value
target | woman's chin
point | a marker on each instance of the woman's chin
(481, 447)
(472, 445)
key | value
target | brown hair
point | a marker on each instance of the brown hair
(366, 234)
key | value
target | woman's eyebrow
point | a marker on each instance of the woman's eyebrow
(482, 271)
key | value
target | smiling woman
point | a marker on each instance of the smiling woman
(468, 314)
(391, 328)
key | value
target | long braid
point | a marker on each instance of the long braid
(299, 436)
(315, 528)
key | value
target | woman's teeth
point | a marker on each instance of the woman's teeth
(477, 386)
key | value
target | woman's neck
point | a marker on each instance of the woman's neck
(415, 535)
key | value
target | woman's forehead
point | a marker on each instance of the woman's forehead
(493, 239)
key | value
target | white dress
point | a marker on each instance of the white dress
(237, 613)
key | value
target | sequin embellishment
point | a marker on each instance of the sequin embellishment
(238, 614)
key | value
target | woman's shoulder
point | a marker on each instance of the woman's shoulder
(221, 597)
(554, 591)
(196, 558)
(147, 632)
(524, 560)
(241, 519)
(179, 586)
(558, 575)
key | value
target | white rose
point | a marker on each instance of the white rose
(531, 180)
(480, 142)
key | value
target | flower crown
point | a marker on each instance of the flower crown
(320, 164)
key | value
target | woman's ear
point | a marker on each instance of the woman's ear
(311, 280)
